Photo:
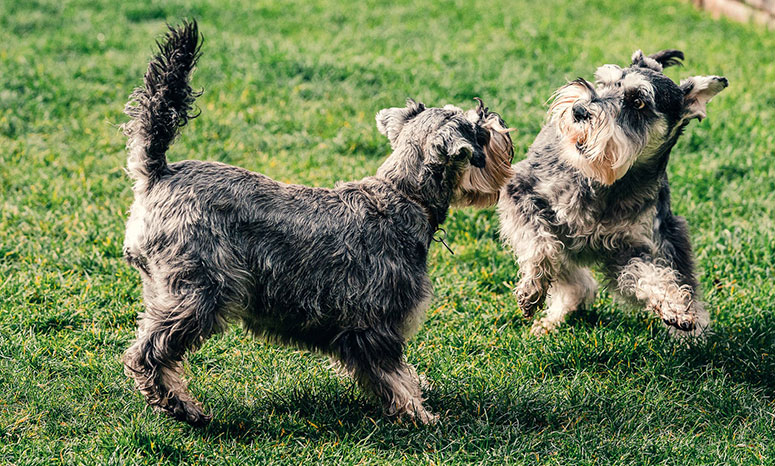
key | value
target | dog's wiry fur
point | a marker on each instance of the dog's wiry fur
(341, 271)
(593, 190)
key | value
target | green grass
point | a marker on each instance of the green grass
(291, 89)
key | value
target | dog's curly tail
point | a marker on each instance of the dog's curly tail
(162, 105)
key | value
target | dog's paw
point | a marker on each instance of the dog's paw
(543, 327)
(530, 298)
(424, 417)
(187, 411)
(680, 316)
(415, 413)
(681, 322)
(697, 329)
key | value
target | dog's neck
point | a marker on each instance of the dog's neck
(639, 188)
(427, 185)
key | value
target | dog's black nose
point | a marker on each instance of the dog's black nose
(580, 113)
(478, 159)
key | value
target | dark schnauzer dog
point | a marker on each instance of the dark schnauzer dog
(594, 190)
(341, 271)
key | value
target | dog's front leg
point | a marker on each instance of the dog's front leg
(539, 253)
(658, 286)
(674, 247)
(540, 258)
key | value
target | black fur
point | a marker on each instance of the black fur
(672, 235)
(165, 102)
(669, 57)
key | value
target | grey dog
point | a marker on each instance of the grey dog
(594, 190)
(341, 271)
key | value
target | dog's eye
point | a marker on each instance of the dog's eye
(638, 103)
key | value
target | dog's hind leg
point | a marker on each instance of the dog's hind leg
(171, 326)
(571, 290)
(375, 358)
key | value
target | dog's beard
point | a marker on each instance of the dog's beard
(479, 187)
(597, 147)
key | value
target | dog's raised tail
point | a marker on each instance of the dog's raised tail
(164, 103)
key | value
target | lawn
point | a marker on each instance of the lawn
(290, 90)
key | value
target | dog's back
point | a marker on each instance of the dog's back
(253, 236)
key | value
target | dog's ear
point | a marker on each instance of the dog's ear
(667, 58)
(391, 120)
(443, 150)
(657, 61)
(698, 90)
(462, 149)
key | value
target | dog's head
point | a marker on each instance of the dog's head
(628, 115)
(469, 151)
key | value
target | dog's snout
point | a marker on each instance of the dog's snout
(478, 159)
(580, 113)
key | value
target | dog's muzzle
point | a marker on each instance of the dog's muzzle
(477, 159)
(580, 113)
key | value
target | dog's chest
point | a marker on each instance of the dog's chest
(589, 224)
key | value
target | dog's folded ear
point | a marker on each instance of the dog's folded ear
(670, 57)
(444, 149)
(462, 149)
(391, 120)
(657, 61)
(698, 91)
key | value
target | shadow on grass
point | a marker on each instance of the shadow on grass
(338, 414)
(538, 398)
(744, 351)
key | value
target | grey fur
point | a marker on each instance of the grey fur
(593, 190)
(341, 271)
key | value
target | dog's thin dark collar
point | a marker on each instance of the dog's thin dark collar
(442, 238)
(432, 220)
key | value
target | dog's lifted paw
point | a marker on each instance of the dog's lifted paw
(530, 298)
(698, 327)
(680, 317)
(683, 323)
